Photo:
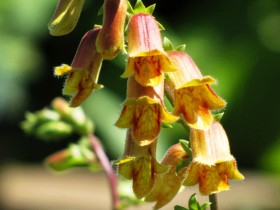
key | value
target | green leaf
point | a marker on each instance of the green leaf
(193, 203)
(167, 45)
(179, 208)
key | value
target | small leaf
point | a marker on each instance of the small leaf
(167, 45)
(179, 208)
(181, 48)
(193, 203)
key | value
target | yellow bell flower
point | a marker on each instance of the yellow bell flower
(143, 112)
(84, 71)
(212, 163)
(192, 95)
(168, 184)
(139, 164)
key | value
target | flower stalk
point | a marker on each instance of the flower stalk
(106, 165)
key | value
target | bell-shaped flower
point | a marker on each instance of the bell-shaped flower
(139, 164)
(143, 112)
(147, 59)
(84, 71)
(192, 95)
(168, 184)
(212, 163)
(65, 17)
(110, 40)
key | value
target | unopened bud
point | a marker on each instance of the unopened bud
(65, 17)
(110, 40)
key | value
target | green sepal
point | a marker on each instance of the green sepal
(218, 117)
(123, 160)
(167, 45)
(182, 164)
(193, 203)
(101, 10)
(181, 48)
(129, 7)
(205, 205)
(139, 7)
(160, 26)
(186, 146)
(150, 9)
(179, 208)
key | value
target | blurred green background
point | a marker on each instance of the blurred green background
(237, 42)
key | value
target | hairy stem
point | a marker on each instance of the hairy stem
(106, 165)
(214, 201)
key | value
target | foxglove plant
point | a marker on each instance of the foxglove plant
(154, 69)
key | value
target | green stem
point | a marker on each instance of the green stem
(214, 201)
(106, 165)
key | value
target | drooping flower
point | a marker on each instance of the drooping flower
(191, 92)
(143, 112)
(84, 71)
(212, 163)
(168, 184)
(139, 164)
(65, 17)
(147, 59)
(110, 40)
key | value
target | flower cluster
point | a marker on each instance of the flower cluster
(151, 72)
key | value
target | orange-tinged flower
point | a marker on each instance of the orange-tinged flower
(193, 97)
(84, 71)
(147, 60)
(110, 40)
(139, 164)
(65, 17)
(143, 112)
(212, 163)
(168, 184)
